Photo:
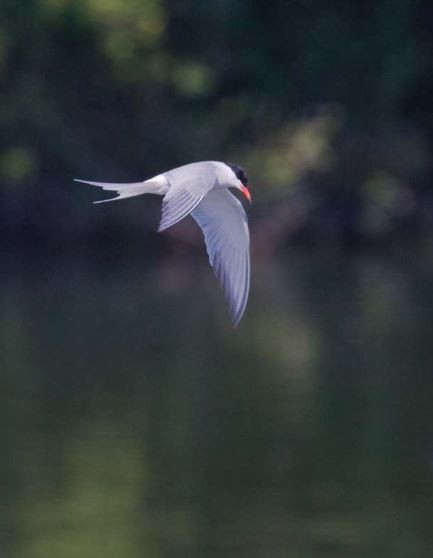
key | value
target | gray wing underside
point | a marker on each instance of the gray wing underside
(188, 186)
(223, 221)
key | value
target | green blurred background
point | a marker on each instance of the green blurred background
(134, 421)
(329, 102)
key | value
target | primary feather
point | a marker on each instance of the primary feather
(224, 224)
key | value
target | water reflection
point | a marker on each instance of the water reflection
(135, 422)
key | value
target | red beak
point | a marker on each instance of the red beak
(246, 193)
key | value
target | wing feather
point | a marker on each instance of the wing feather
(175, 208)
(223, 221)
(188, 186)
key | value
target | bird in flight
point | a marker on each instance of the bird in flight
(202, 191)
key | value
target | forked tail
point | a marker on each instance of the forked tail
(156, 185)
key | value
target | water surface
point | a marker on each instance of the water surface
(134, 421)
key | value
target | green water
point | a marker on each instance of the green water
(135, 422)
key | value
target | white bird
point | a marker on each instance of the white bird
(202, 191)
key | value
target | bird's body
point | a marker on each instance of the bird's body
(202, 191)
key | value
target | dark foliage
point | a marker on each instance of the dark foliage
(327, 104)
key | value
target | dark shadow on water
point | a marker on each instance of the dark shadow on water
(134, 421)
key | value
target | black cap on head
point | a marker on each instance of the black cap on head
(239, 172)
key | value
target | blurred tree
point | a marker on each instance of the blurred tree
(118, 89)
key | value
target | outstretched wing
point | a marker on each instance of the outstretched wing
(225, 227)
(188, 186)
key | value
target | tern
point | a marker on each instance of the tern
(202, 191)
